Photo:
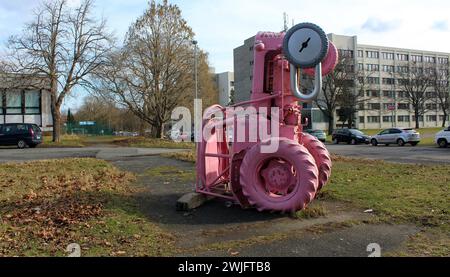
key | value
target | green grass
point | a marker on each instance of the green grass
(142, 142)
(47, 205)
(66, 141)
(418, 194)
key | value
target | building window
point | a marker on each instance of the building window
(387, 56)
(372, 54)
(402, 57)
(388, 81)
(361, 119)
(431, 118)
(360, 54)
(431, 94)
(402, 69)
(403, 82)
(402, 94)
(14, 102)
(442, 117)
(346, 53)
(386, 106)
(431, 106)
(403, 118)
(373, 93)
(373, 119)
(443, 60)
(32, 102)
(373, 80)
(429, 59)
(389, 118)
(416, 58)
(360, 67)
(388, 68)
(374, 106)
(430, 71)
(389, 93)
(373, 67)
(403, 106)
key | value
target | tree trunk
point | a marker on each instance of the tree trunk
(56, 112)
(56, 115)
(157, 131)
(444, 122)
(416, 117)
(330, 125)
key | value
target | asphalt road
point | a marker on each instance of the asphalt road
(406, 154)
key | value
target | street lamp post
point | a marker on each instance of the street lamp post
(197, 129)
(195, 43)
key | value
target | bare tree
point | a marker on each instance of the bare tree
(338, 83)
(415, 82)
(153, 72)
(440, 82)
(64, 44)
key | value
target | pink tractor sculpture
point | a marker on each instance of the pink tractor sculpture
(288, 179)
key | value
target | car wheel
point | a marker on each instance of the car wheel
(387, 144)
(401, 142)
(335, 141)
(353, 142)
(21, 144)
(374, 142)
(442, 143)
(32, 145)
(414, 143)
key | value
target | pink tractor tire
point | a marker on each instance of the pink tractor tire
(321, 156)
(284, 181)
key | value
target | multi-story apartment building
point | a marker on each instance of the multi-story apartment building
(386, 104)
(243, 70)
(225, 87)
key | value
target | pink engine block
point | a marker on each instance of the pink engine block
(286, 180)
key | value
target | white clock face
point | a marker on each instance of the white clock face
(305, 45)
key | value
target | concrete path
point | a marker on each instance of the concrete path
(216, 229)
(407, 154)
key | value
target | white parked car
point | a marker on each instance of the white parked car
(443, 138)
(396, 136)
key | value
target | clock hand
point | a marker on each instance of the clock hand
(305, 44)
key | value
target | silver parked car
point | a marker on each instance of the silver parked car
(396, 136)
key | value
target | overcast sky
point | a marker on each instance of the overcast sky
(222, 25)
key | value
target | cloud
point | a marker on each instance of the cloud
(377, 25)
(440, 25)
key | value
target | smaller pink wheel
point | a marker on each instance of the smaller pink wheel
(328, 64)
(321, 156)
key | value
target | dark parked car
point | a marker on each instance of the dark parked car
(20, 134)
(350, 136)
